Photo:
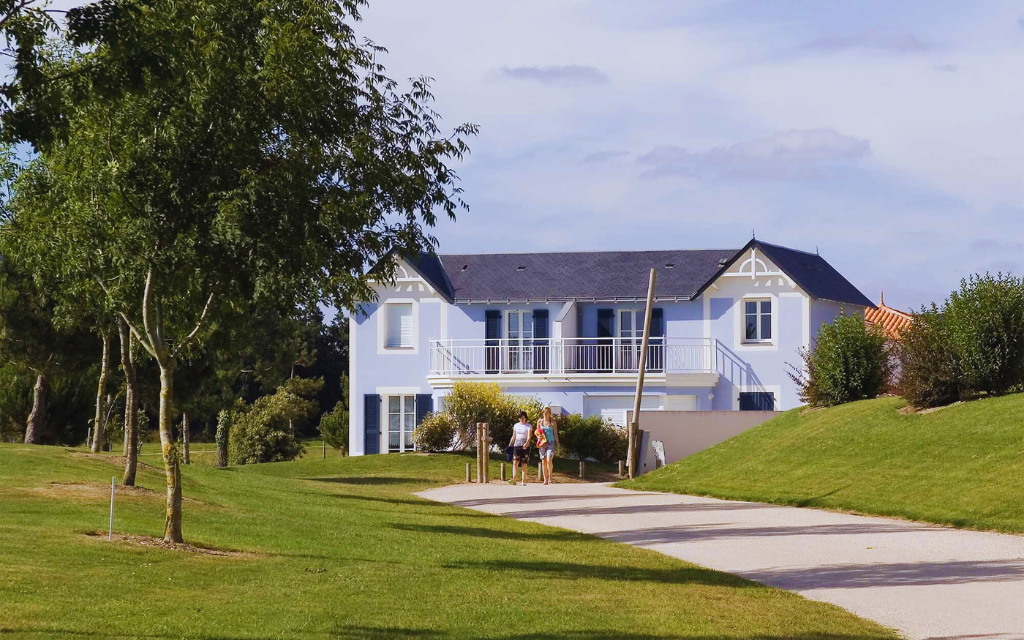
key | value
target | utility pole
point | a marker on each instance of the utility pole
(634, 426)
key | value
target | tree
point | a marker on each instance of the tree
(334, 427)
(257, 153)
(849, 361)
(131, 404)
(28, 337)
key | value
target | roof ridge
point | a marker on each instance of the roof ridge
(585, 251)
(779, 246)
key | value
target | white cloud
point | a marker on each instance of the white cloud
(888, 42)
(792, 154)
(557, 75)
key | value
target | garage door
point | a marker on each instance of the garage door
(614, 408)
(680, 403)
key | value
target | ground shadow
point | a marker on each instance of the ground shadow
(639, 508)
(856, 576)
(511, 498)
(717, 531)
(482, 532)
(368, 480)
(571, 571)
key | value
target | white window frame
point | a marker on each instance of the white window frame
(403, 413)
(742, 344)
(385, 394)
(382, 327)
(520, 345)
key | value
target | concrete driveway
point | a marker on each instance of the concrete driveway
(925, 581)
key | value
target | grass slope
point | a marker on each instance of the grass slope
(962, 465)
(342, 550)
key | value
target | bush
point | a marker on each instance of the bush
(473, 402)
(850, 361)
(985, 326)
(591, 438)
(929, 367)
(265, 430)
(334, 427)
(436, 433)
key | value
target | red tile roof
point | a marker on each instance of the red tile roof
(893, 321)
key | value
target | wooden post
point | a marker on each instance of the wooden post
(583, 468)
(487, 453)
(634, 424)
(620, 468)
(325, 449)
(503, 472)
(540, 469)
(467, 473)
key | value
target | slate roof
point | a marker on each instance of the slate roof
(616, 275)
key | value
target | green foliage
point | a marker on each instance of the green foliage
(849, 361)
(591, 438)
(985, 326)
(334, 427)
(471, 402)
(223, 437)
(929, 368)
(265, 430)
(435, 433)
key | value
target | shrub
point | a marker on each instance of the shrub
(849, 361)
(435, 433)
(929, 367)
(591, 438)
(473, 402)
(265, 430)
(985, 326)
(334, 427)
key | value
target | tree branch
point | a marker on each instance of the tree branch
(199, 325)
(127, 321)
(158, 350)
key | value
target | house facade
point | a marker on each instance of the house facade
(567, 328)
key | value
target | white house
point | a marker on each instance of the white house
(566, 327)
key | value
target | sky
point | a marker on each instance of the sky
(887, 136)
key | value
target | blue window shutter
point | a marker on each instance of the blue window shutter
(371, 423)
(656, 347)
(757, 401)
(657, 322)
(492, 342)
(605, 348)
(424, 405)
(541, 344)
(605, 320)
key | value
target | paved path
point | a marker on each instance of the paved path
(926, 581)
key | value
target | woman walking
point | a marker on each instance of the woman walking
(520, 444)
(547, 432)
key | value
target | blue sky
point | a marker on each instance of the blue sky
(890, 138)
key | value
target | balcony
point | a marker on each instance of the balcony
(677, 361)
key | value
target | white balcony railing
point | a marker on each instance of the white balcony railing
(554, 356)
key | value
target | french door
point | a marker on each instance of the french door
(631, 335)
(401, 423)
(519, 345)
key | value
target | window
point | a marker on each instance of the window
(400, 332)
(401, 422)
(758, 316)
(519, 329)
(757, 401)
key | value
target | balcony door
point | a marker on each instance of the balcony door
(519, 344)
(631, 335)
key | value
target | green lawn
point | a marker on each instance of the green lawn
(340, 549)
(961, 465)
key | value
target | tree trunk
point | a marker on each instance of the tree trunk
(185, 437)
(131, 407)
(36, 419)
(99, 425)
(172, 470)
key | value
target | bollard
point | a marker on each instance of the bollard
(110, 531)
(467, 472)
(540, 470)
(583, 468)
(503, 472)
(325, 449)
(620, 468)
